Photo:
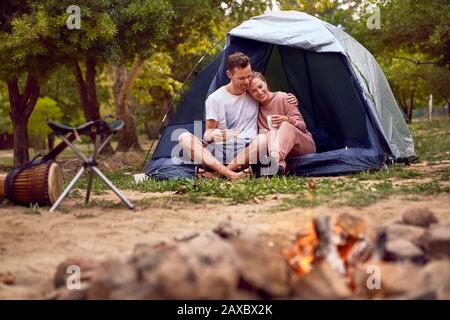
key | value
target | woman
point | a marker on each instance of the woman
(288, 135)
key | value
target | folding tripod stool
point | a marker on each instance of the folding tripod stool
(101, 133)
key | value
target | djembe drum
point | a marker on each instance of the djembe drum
(40, 183)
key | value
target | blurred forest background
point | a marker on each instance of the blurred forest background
(130, 57)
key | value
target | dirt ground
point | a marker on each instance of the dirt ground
(32, 245)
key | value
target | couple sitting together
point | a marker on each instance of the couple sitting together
(234, 113)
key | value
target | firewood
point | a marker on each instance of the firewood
(326, 249)
(324, 282)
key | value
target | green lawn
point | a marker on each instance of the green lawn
(362, 189)
(432, 141)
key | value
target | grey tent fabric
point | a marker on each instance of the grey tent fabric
(379, 94)
(289, 28)
(300, 30)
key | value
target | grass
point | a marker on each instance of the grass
(432, 140)
(361, 189)
(432, 143)
(397, 171)
(444, 174)
(33, 209)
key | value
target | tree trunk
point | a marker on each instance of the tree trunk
(20, 125)
(403, 104)
(127, 137)
(411, 108)
(88, 95)
(22, 105)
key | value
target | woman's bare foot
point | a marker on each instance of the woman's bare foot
(238, 175)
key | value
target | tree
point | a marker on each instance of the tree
(83, 49)
(417, 26)
(20, 66)
(5, 120)
(141, 25)
(34, 41)
(195, 27)
(413, 47)
(46, 109)
(132, 27)
(153, 91)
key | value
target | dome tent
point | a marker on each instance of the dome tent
(343, 96)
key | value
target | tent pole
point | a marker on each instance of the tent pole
(176, 96)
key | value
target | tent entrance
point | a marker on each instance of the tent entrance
(328, 99)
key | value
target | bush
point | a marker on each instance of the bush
(46, 109)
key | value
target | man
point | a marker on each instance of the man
(229, 107)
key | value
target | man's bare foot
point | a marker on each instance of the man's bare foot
(203, 174)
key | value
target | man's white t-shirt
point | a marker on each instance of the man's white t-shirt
(233, 112)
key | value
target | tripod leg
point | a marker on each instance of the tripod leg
(89, 186)
(112, 187)
(67, 190)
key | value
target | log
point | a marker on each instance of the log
(323, 283)
(326, 249)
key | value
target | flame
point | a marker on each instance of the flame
(301, 256)
(347, 231)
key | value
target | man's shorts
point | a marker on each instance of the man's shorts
(225, 152)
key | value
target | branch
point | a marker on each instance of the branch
(438, 88)
(126, 87)
(82, 90)
(416, 62)
(79, 75)
(30, 95)
(29, 107)
(90, 82)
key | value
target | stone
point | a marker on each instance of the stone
(111, 275)
(262, 269)
(424, 294)
(378, 279)
(322, 283)
(437, 278)
(7, 278)
(87, 270)
(135, 291)
(402, 249)
(143, 248)
(412, 234)
(203, 268)
(351, 225)
(421, 217)
(185, 236)
(74, 294)
(226, 230)
(437, 241)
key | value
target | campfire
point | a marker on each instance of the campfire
(343, 243)
(332, 259)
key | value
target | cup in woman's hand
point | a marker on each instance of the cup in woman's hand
(276, 120)
(269, 122)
